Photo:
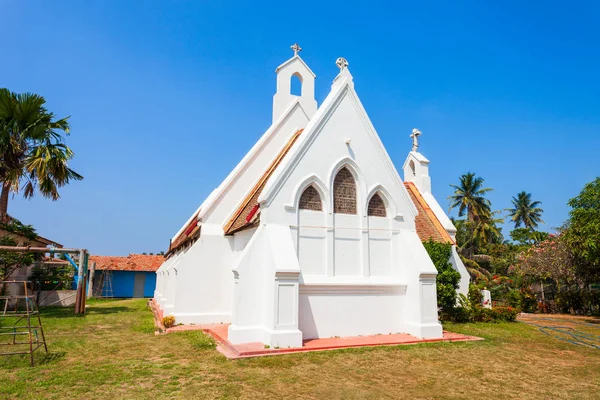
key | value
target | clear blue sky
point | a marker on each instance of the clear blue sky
(166, 97)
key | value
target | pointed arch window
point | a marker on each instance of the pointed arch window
(412, 168)
(310, 200)
(376, 206)
(344, 192)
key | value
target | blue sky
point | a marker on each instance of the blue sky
(166, 97)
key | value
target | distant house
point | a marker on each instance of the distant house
(22, 273)
(127, 276)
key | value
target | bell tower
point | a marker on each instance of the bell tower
(416, 166)
(294, 68)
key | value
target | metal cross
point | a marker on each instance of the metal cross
(296, 49)
(415, 139)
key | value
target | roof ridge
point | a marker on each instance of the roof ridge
(429, 212)
(259, 186)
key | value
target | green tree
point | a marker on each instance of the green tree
(33, 155)
(527, 237)
(447, 278)
(525, 211)
(469, 197)
(582, 232)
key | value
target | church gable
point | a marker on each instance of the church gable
(339, 137)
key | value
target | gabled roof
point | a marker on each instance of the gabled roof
(296, 57)
(132, 262)
(341, 87)
(428, 225)
(246, 214)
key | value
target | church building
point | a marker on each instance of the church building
(313, 234)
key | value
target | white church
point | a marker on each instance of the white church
(313, 234)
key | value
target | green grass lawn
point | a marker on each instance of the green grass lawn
(113, 353)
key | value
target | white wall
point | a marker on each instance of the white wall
(350, 310)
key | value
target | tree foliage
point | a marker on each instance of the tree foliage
(469, 197)
(525, 211)
(447, 278)
(33, 155)
(582, 233)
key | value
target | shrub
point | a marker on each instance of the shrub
(168, 322)
(470, 309)
(447, 278)
(503, 314)
(529, 302)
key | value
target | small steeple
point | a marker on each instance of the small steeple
(283, 98)
(416, 166)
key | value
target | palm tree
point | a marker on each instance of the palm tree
(469, 197)
(525, 211)
(33, 155)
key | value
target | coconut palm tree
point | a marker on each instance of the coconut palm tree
(33, 156)
(525, 211)
(469, 197)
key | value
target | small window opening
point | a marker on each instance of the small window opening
(412, 167)
(296, 85)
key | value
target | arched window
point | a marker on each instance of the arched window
(412, 167)
(376, 206)
(344, 193)
(310, 200)
(296, 85)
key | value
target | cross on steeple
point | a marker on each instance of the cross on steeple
(415, 139)
(296, 49)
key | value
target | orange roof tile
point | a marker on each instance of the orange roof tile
(428, 224)
(132, 262)
(248, 214)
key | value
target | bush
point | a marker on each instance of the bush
(447, 278)
(168, 322)
(529, 303)
(503, 314)
(470, 309)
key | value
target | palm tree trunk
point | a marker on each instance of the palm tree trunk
(4, 202)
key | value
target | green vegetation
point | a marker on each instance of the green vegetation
(447, 278)
(33, 155)
(113, 353)
(525, 211)
(582, 233)
(535, 271)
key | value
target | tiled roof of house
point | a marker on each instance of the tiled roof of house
(248, 213)
(428, 225)
(132, 262)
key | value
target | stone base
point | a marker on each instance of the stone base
(425, 331)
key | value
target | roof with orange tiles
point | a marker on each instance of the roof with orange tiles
(428, 224)
(132, 262)
(248, 212)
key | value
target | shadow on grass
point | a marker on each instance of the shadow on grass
(69, 312)
(50, 357)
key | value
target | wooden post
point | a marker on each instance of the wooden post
(79, 282)
(90, 285)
